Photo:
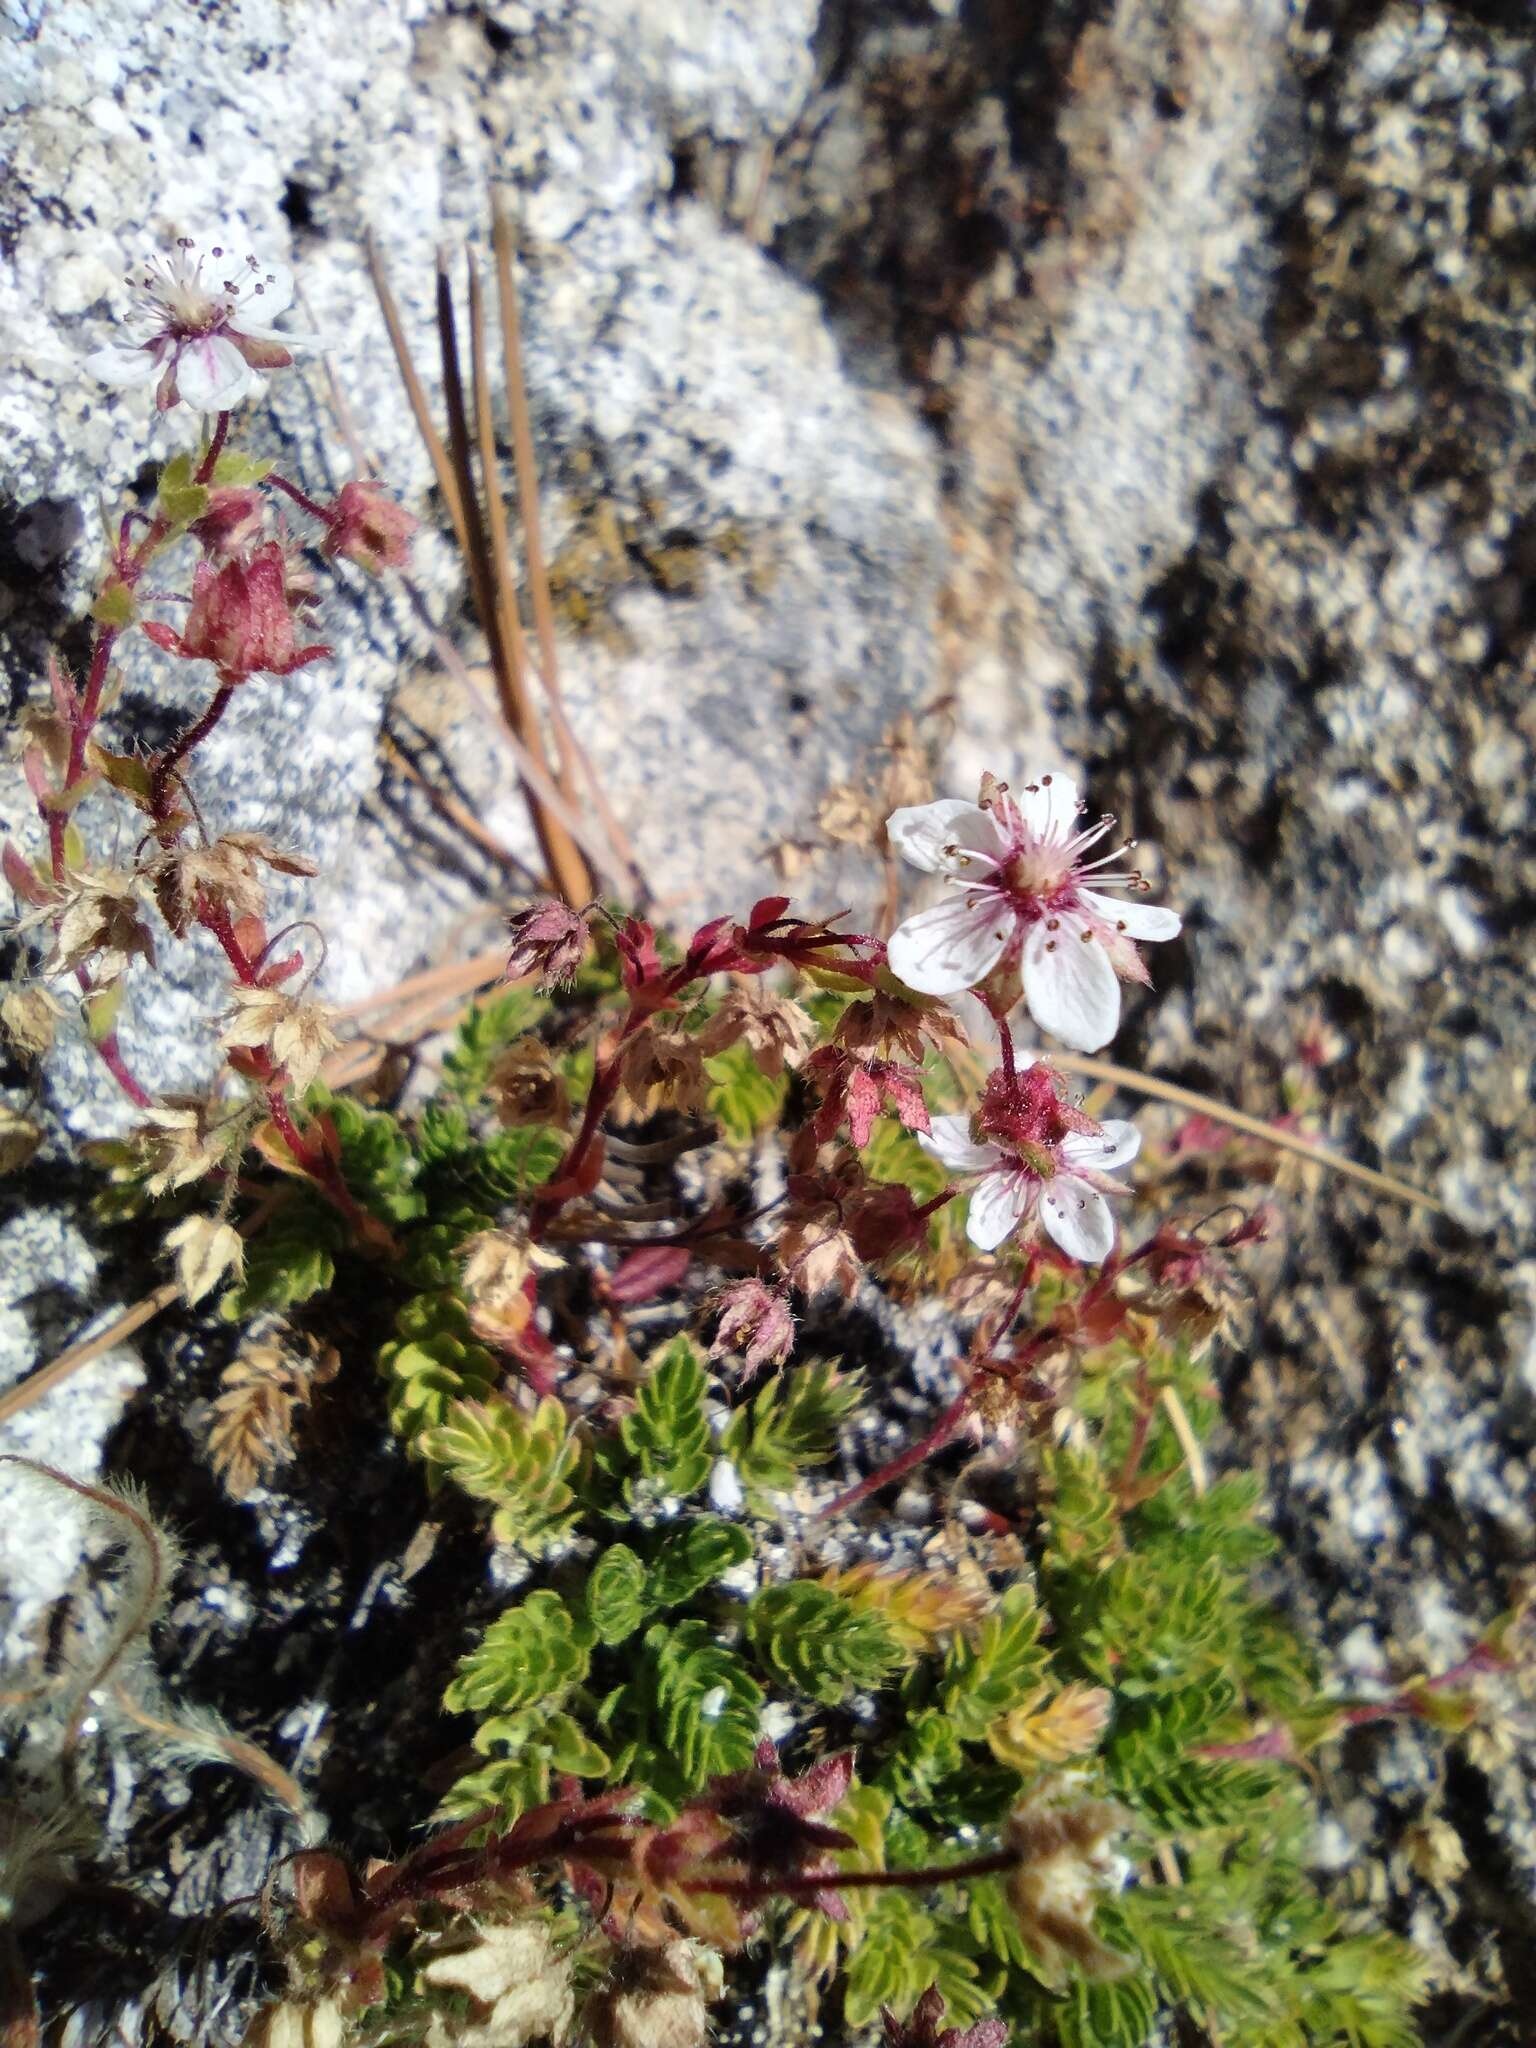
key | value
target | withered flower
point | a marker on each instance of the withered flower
(774, 1029)
(100, 927)
(655, 1997)
(297, 1034)
(225, 874)
(664, 1067)
(549, 941)
(1064, 1841)
(755, 1321)
(526, 1087)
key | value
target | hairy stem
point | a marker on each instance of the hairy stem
(166, 764)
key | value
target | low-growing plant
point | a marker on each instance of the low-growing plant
(1023, 1765)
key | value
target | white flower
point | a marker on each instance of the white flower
(201, 321)
(1026, 893)
(1034, 1150)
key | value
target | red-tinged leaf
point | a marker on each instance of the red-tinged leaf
(277, 970)
(649, 1272)
(861, 1096)
(25, 880)
(163, 635)
(323, 1127)
(902, 1086)
(819, 1789)
(538, 1358)
(767, 910)
(638, 959)
(34, 767)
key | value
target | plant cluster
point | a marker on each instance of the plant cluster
(1027, 1773)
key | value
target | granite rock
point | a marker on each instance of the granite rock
(1156, 380)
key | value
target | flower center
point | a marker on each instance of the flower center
(178, 300)
(1028, 1115)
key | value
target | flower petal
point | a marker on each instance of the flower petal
(949, 1140)
(950, 947)
(1135, 920)
(1116, 1145)
(1048, 806)
(1070, 985)
(1079, 1219)
(250, 330)
(923, 833)
(121, 366)
(998, 1203)
(212, 375)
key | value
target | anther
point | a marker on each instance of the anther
(1053, 924)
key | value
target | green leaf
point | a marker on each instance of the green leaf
(1115, 2015)
(691, 1559)
(377, 1159)
(707, 1704)
(625, 1589)
(291, 1260)
(1001, 1668)
(533, 1652)
(518, 1461)
(616, 1595)
(818, 1642)
(667, 1436)
(508, 1167)
(791, 1423)
(235, 470)
(180, 500)
(742, 1099)
(433, 1364)
(1082, 1523)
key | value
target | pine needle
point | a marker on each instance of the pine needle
(1254, 1127)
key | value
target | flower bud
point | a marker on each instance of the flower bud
(231, 521)
(241, 619)
(550, 941)
(368, 528)
(756, 1321)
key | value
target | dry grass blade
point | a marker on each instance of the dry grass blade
(42, 1382)
(152, 1554)
(599, 852)
(525, 465)
(453, 978)
(566, 866)
(572, 753)
(205, 1741)
(437, 454)
(1252, 1126)
(517, 704)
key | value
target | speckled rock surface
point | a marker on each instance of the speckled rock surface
(1188, 345)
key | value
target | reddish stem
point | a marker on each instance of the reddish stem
(300, 498)
(943, 1432)
(116, 1066)
(180, 747)
(808, 1883)
(209, 462)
